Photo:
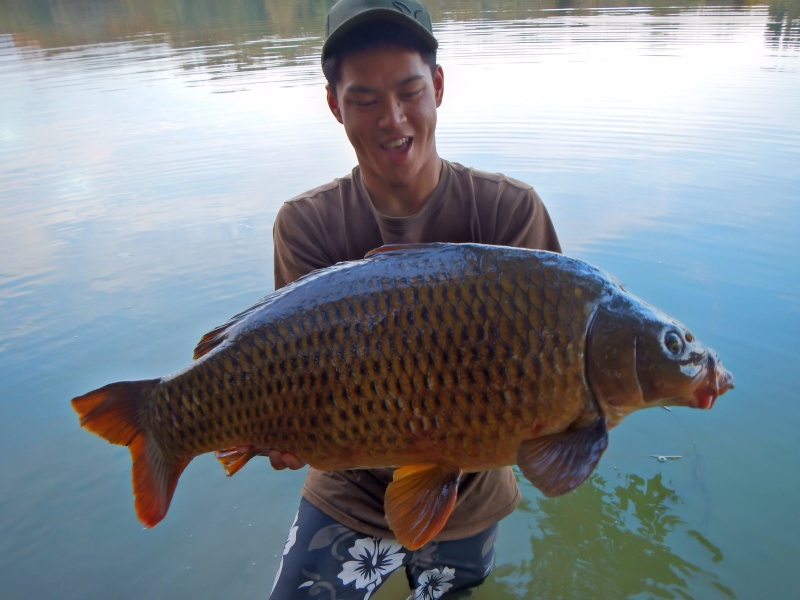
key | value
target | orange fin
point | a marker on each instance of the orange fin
(216, 336)
(219, 334)
(210, 340)
(396, 247)
(235, 458)
(419, 501)
(558, 463)
(113, 413)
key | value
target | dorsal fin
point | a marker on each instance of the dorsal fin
(210, 341)
(218, 335)
(401, 247)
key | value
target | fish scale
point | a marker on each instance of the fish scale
(436, 359)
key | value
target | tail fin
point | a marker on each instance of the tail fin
(114, 413)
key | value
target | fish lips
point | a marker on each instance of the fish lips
(718, 381)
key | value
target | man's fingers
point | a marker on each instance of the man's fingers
(284, 460)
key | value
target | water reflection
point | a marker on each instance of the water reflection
(136, 203)
(228, 38)
(221, 38)
(626, 534)
(783, 28)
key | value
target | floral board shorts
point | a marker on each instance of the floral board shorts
(323, 559)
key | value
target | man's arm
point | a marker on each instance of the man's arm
(296, 238)
(537, 231)
(508, 212)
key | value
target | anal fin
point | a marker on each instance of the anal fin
(233, 459)
(419, 501)
(558, 463)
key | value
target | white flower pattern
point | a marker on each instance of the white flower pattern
(290, 540)
(374, 559)
(433, 583)
(328, 560)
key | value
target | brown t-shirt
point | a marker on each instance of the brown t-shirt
(338, 222)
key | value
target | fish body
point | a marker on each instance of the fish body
(437, 359)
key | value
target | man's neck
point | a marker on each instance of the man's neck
(403, 200)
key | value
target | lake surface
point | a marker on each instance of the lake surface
(146, 147)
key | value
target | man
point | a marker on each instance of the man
(384, 87)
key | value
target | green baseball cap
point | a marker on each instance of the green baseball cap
(346, 15)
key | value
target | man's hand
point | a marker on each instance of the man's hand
(284, 460)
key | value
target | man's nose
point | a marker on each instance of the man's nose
(392, 113)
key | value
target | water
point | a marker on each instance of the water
(144, 153)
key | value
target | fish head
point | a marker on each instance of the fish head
(639, 357)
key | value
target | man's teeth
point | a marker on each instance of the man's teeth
(397, 143)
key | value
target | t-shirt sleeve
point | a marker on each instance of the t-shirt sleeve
(530, 225)
(510, 213)
(297, 248)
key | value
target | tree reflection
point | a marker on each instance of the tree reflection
(239, 24)
(783, 29)
(226, 39)
(613, 541)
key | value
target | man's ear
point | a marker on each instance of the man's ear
(438, 85)
(333, 103)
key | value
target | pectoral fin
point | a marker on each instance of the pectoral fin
(419, 501)
(558, 463)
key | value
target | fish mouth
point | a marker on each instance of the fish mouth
(719, 381)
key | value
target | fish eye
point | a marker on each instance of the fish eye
(673, 342)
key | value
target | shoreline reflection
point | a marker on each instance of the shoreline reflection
(278, 33)
(625, 537)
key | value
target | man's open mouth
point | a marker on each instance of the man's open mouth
(398, 144)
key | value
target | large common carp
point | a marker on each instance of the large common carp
(437, 359)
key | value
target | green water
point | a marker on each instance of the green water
(146, 147)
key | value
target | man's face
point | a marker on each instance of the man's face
(387, 99)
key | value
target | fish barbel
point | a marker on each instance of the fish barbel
(436, 359)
